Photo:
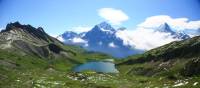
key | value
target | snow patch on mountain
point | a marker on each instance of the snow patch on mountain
(107, 31)
(112, 45)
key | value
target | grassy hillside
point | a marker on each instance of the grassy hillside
(180, 58)
(21, 71)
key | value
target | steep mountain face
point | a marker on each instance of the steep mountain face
(166, 29)
(28, 40)
(173, 59)
(102, 38)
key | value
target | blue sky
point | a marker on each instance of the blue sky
(57, 16)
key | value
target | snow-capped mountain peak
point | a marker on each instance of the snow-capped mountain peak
(105, 26)
(69, 34)
(101, 38)
(165, 28)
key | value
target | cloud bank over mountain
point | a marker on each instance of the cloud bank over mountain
(155, 31)
(145, 39)
(175, 23)
(114, 16)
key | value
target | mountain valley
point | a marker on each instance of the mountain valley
(30, 58)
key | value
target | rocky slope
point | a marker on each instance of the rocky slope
(26, 39)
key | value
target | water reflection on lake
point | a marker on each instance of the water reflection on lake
(97, 66)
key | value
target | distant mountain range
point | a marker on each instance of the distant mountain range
(104, 38)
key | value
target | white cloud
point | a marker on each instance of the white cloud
(144, 39)
(148, 39)
(114, 16)
(126, 36)
(176, 23)
(194, 24)
(112, 45)
(80, 29)
(78, 40)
